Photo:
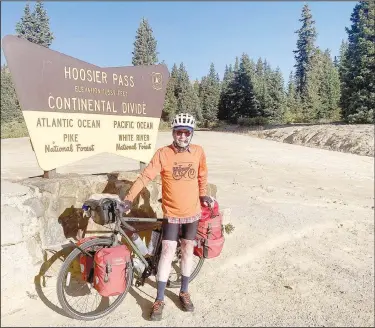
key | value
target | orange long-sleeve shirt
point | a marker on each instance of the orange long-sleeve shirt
(183, 176)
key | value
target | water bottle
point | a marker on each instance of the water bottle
(139, 266)
(140, 244)
(153, 242)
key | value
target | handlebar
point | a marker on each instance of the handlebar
(120, 211)
(124, 220)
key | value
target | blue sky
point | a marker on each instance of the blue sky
(196, 33)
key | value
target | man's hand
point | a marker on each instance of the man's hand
(126, 206)
(206, 201)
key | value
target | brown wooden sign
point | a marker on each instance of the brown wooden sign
(74, 109)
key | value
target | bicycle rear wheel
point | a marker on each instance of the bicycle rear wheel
(175, 276)
(70, 283)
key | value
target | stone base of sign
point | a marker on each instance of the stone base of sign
(40, 216)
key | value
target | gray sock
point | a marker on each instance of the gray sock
(161, 288)
(184, 284)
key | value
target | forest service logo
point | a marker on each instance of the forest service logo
(157, 81)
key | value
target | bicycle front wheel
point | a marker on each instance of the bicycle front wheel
(73, 291)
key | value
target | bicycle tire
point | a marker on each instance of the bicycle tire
(193, 275)
(60, 282)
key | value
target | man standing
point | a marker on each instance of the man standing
(183, 171)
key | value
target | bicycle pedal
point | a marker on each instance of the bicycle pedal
(140, 282)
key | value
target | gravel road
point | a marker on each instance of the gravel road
(302, 253)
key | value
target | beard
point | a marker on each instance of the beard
(182, 143)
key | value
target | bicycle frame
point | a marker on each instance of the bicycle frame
(118, 229)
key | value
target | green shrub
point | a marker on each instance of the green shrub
(251, 121)
(14, 130)
(164, 126)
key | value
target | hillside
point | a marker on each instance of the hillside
(355, 139)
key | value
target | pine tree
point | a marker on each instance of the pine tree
(35, 26)
(260, 85)
(187, 99)
(196, 107)
(277, 98)
(357, 67)
(233, 94)
(196, 86)
(175, 76)
(25, 28)
(210, 96)
(342, 52)
(329, 89)
(236, 65)
(202, 89)
(266, 97)
(290, 105)
(305, 50)
(336, 62)
(43, 32)
(224, 102)
(247, 104)
(170, 103)
(144, 45)
(293, 111)
(311, 106)
(230, 96)
(10, 108)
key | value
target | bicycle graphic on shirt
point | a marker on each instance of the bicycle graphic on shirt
(180, 171)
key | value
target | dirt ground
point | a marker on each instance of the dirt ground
(354, 139)
(302, 252)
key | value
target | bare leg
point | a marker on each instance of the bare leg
(165, 262)
(187, 248)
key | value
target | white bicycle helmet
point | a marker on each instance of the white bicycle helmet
(184, 120)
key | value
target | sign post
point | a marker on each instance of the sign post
(74, 110)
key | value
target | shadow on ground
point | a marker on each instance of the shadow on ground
(75, 227)
(45, 282)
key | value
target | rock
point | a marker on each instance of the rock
(36, 205)
(50, 186)
(52, 232)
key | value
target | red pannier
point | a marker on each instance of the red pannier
(86, 262)
(210, 238)
(110, 270)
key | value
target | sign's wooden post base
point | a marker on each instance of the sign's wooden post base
(49, 174)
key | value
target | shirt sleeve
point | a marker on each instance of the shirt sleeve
(202, 175)
(148, 174)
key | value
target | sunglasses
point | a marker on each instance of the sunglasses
(181, 132)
